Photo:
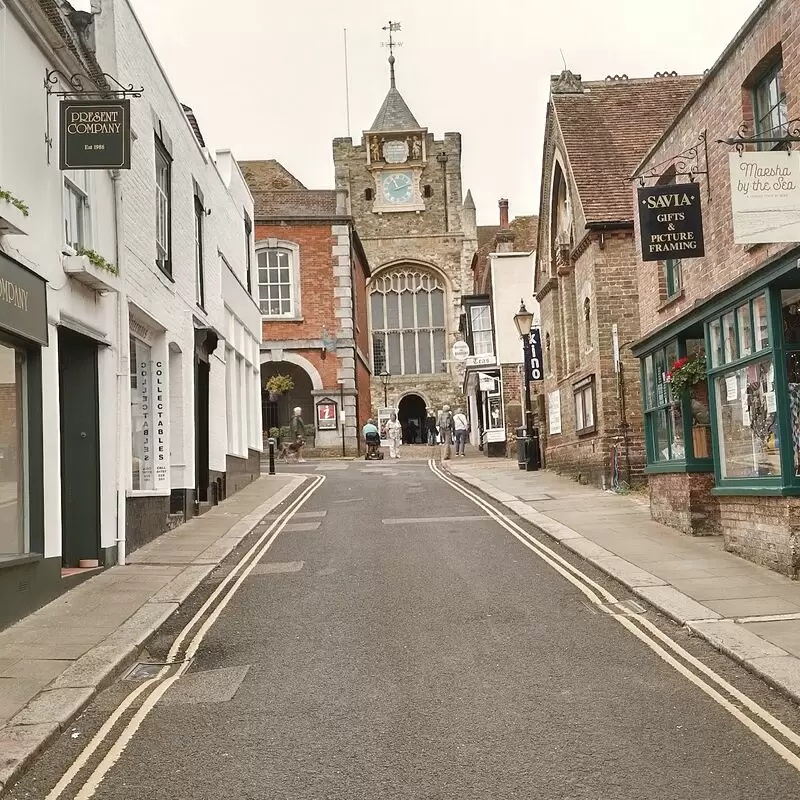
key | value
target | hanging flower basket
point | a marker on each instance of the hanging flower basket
(686, 372)
(279, 384)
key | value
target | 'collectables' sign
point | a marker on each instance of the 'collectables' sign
(95, 134)
(671, 222)
(765, 196)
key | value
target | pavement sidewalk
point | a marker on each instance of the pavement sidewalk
(56, 659)
(748, 612)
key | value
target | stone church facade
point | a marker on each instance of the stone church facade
(402, 186)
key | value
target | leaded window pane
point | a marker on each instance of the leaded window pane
(408, 304)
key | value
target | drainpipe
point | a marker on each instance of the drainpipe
(123, 375)
(442, 159)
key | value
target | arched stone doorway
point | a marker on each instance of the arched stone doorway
(411, 413)
(276, 412)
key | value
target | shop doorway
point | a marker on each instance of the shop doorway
(411, 414)
(80, 448)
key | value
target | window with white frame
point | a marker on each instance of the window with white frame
(769, 106)
(584, 405)
(276, 282)
(77, 228)
(481, 326)
(163, 207)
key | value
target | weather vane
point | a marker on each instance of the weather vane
(392, 27)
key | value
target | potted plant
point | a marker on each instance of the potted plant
(686, 372)
(688, 378)
(279, 384)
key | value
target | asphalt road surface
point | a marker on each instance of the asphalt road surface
(396, 642)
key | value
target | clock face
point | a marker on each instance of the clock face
(397, 187)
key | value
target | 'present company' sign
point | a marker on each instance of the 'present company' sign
(671, 222)
(95, 134)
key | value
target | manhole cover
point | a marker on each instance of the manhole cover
(141, 672)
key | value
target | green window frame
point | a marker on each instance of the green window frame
(672, 443)
(755, 451)
(770, 112)
(672, 277)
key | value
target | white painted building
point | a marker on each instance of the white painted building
(58, 345)
(191, 333)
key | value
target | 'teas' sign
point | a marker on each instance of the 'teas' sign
(95, 134)
(671, 222)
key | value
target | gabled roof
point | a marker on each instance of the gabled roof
(486, 234)
(295, 204)
(394, 114)
(268, 175)
(607, 126)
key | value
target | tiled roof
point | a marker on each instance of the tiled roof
(486, 234)
(293, 204)
(268, 175)
(195, 125)
(394, 114)
(607, 129)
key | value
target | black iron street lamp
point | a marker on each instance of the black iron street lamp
(529, 458)
(385, 376)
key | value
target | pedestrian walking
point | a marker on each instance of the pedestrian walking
(394, 432)
(298, 431)
(460, 426)
(431, 429)
(446, 431)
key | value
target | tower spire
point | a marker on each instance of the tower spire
(392, 27)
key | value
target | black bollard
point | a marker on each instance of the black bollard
(271, 456)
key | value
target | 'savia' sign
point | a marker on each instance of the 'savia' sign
(95, 134)
(671, 222)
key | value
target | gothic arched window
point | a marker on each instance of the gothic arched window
(408, 322)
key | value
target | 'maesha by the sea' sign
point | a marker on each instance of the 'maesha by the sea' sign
(95, 134)
(671, 222)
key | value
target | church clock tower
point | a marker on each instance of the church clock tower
(402, 186)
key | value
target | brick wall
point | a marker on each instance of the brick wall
(719, 108)
(604, 274)
(765, 530)
(513, 398)
(683, 501)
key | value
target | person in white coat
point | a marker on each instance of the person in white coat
(394, 433)
(460, 426)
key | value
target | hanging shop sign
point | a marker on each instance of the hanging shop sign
(537, 372)
(765, 196)
(95, 134)
(487, 383)
(671, 222)
(326, 415)
(23, 301)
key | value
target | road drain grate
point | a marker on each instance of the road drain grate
(626, 607)
(143, 670)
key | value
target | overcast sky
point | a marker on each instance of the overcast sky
(266, 78)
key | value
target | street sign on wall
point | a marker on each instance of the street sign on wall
(671, 222)
(460, 351)
(537, 366)
(95, 134)
(765, 196)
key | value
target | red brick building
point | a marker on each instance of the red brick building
(312, 274)
(596, 133)
(726, 457)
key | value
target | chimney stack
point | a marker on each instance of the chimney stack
(503, 214)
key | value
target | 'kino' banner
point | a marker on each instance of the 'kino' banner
(765, 195)
(671, 222)
(95, 134)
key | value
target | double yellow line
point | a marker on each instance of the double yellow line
(668, 650)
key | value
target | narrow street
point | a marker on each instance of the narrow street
(397, 641)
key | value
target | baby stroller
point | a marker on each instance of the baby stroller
(374, 451)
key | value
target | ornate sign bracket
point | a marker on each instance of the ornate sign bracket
(741, 140)
(690, 163)
(81, 85)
